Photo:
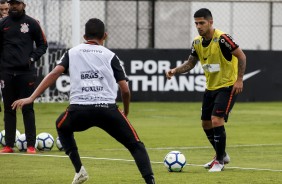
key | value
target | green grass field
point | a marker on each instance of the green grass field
(254, 143)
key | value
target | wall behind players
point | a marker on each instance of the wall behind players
(146, 71)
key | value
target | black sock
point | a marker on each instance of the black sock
(210, 136)
(220, 142)
(75, 159)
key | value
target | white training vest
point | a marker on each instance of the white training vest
(91, 75)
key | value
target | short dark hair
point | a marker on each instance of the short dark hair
(203, 12)
(94, 28)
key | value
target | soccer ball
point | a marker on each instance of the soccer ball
(21, 143)
(59, 144)
(45, 141)
(174, 161)
(2, 137)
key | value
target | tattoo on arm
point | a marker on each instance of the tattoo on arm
(187, 65)
(241, 68)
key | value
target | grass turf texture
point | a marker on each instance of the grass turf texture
(253, 143)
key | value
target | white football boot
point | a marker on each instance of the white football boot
(217, 167)
(80, 177)
(226, 160)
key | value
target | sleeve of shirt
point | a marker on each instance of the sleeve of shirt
(193, 51)
(64, 61)
(227, 45)
(40, 41)
(118, 69)
(227, 42)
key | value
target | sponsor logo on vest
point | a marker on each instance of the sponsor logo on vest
(89, 75)
(92, 88)
(91, 51)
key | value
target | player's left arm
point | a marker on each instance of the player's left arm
(229, 48)
(238, 85)
(121, 79)
(125, 95)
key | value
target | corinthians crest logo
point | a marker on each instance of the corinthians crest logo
(24, 28)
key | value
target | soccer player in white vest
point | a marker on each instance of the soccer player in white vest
(95, 75)
(224, 64)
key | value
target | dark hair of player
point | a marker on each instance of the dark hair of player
(203, 12)
(94, 28)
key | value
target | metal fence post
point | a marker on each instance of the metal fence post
(75, 22)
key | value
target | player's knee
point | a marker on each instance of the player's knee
(62, 124)
(217, 121)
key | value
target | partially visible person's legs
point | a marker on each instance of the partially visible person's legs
(25, 86)
(10, 94)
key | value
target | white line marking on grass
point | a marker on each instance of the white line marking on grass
(255, 169)
(35, 155)
(200, 147)
(126, 160)
(241, 168)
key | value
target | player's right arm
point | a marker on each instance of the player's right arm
(185, 67)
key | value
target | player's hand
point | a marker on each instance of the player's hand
(170, 73)
(237, 87)
(18, 104)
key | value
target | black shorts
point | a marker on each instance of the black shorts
(218, 103)
(105, 116)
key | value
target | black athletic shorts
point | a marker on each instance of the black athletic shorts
(218, 103)
(105, 116)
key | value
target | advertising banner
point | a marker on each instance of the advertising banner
(146, 72)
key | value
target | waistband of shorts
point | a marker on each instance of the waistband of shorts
(99, 105)
(222, 88)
